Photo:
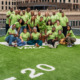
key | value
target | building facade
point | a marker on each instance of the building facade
(6, 4)
(53, 4)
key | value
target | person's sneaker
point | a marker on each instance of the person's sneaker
(50, 46)
(70, 45)
(11, 45)
(56, 44)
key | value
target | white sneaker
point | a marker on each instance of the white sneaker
(56, 44)
(50, 46)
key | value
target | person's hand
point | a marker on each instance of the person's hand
(21, 40)
(53, 40)
(50, 33)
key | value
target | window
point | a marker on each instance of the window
(6, 2)
(73, 23)
(6, 7)
(60, 1)
(9, 3)
(77, 1)
(69, 1)
(2, 7)
(63, 1)
(56, 1)
(74, 1)
(2, 2)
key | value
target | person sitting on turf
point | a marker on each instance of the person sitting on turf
(61, 37)
(70, 38)
(35, 36)
(24, 37)
(11, 35)
(52, 38)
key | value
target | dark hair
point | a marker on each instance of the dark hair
(22, 21)
(58, 20)
(69, 26)
(24, 28)
(50, 22)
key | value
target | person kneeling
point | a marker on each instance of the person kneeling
(11, 35)
(35, 36)
(70, 38)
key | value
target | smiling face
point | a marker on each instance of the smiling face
(58, 22)
(34, 30)
(25, 30)
(14, 26)
(68, 28)
(53, 29)
(60, 32)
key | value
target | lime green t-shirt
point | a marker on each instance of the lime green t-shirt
(17, 24)
(46, 18)
(25, 18)
(38, 17)
(49, 27)
(58, 27)
(11, 31)
(32, 24)
(28, 14)
(8, 14)
(59, 14)
(13, 18)
(25, 36)
(63, 21)
(42, 25)
(54, 18)
(18, 16)
(60, 36)
(52, 36)
(72, 34)
(35, 35)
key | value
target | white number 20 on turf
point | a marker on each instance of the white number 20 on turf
(32, 74)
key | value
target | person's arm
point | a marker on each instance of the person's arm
(29, 27)
(19, 29)
(54, 22)
(21, 39)
(31, 36)
(11, 33)
(68, 34)
(48, 34)
(9, 22)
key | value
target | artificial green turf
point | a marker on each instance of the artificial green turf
(65, 60)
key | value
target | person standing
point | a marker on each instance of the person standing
(8, 14)
(64, 22)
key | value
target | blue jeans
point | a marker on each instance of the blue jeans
(19, 43)
(32, 42)
(10, 39)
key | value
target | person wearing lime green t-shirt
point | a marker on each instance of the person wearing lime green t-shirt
(13, 18)
(19, 24)
(7, 18)
(24, 37)
(60, 35)
(70, 37)
(46, 17)
(59, 14)
(58, 26)
(64, 22)
(42, 28)
(28, 12)
(19, 14)
(35, 38)
(25, 19)
(54, 18)
(52, 38)
(49, 25)
(11, 35)
(39, 15)
(32, 23)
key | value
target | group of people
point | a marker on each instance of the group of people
(25, 27)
